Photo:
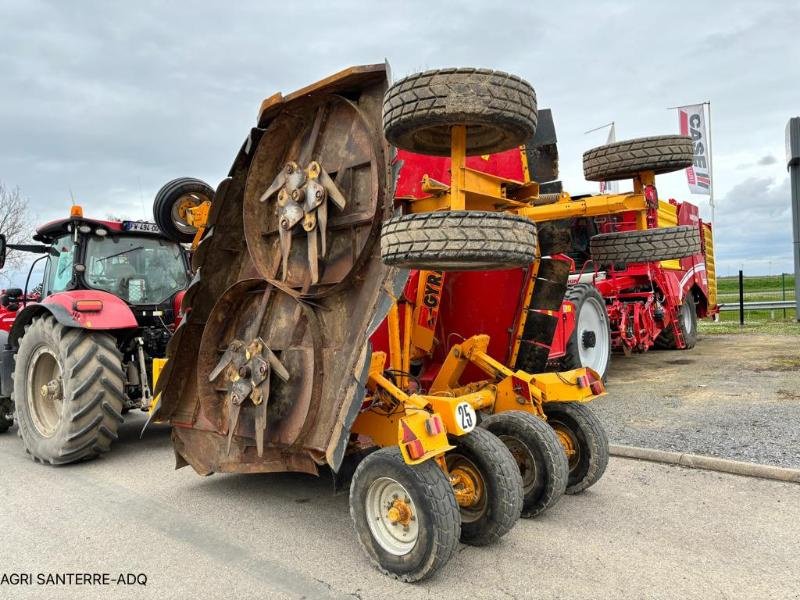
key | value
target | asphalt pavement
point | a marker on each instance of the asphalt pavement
(644, 531)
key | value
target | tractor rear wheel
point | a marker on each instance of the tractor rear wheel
(583, 440)
(68, 392)
(626, 159)
(647, 245)
(172, 200)
(538, 454)
(459, 240)
(589, 344)
(498, 109)
(406, 517)
(687, 321)
(487, 484)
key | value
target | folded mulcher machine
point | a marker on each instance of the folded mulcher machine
(307, 335)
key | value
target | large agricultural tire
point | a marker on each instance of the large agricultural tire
(486, 465)
(626, 159)
(84, 369)
(646, 245)
(539, 456)
(589, 344)
(459, 241)
(584, 440)
(687, 321)
(410, 549)
(184, 191)
(498, 109)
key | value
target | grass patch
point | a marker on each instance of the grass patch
(764, 327)
(730, 285)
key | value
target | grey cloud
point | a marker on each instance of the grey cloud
(114, 99)
(769, 159)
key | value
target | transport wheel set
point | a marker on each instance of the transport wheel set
(410, 517)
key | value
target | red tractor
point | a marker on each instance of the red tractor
(87, 349)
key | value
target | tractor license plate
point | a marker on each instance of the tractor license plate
(140, 226)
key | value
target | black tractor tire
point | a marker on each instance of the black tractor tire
(538, 455)
(498, 109)
(436, 514)
(647, 245)
(588, 438)
(83, 424)
(165, 206)
(590, 334)
(687, 321)
(6, 414)
(498, 506)
(460, 240)
(626, 159)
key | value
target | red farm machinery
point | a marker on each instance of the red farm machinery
(640, 270)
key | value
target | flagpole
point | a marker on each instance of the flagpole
(710, 162)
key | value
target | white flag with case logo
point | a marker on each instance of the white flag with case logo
(610, 187)
(693, 123)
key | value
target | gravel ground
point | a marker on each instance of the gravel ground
(732, 396)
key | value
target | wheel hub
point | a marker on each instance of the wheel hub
(589, 339)
(467, 485)
(400, 512)
(52, 391)
(568, 442)
(44, 392)
(391, 516)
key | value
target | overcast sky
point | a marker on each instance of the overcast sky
(111, 100)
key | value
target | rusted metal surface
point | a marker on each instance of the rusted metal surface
(248, 318)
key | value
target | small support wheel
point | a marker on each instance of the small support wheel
(459, 240)
(538, 454)
(583, 440)
(498, 109)
(628, 158)
(406, 517)
(171, 203)
(487, 485)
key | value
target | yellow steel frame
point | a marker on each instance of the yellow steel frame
(505, 390)
(470, 189)
(197, 216)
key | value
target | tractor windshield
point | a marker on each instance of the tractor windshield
(139, 269)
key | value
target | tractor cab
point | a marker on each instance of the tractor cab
(131, 260)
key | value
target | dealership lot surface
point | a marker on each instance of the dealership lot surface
(644, 530)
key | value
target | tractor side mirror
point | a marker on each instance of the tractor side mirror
(2, 251)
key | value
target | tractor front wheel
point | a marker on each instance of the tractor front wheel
(459, 240)
(68, 392)
(584, 442)
(406, 517)
(487, 485)
(537, 454)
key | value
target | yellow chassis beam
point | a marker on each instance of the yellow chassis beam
(470, 189)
